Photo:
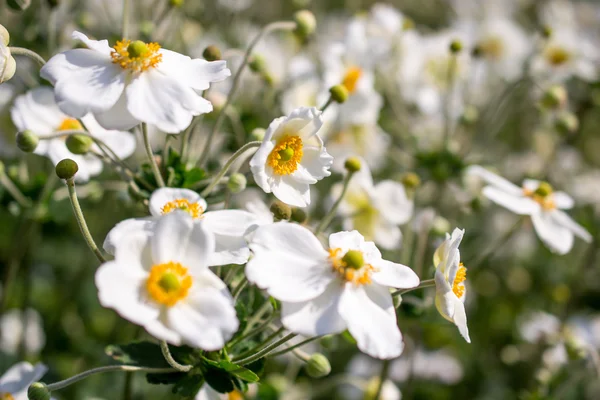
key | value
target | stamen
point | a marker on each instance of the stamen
(458, 287)
(351, 266)
(136, 56)
(543, 195)
(168, 283)
(70, 124)
(351, 78)
(194, 209)
(557, 56)
(286, 155)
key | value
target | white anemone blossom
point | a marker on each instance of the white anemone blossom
(21, 328)
(15, 382)
(292, 157)
(328, 291)
(538, 200)
(160, 280)
(450, 275)
(132, 82)
(375, 210)
(37, 111)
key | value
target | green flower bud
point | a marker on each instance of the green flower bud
(546, 32)
(212, 53)
(38, 391)
(318, 366)
(176, 3)
(306, 23)
(339, 93)
(268, 78)
(280, 210)
(456, 46)
(397, 300)
(567, 123)
(27, 141)
(469, 116)
(236, 183)
(137, 49)
(79, 144)
(258, 64)
(66, 169)
(18, 5)
(298, 215)
(411, 180)
(555, 97)
(8, 65)
(4, 35)
(352, 164)
(354, 259)
(257, 134)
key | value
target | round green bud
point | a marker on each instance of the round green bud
(237, 182)
(257, 134)
(456, 46)
(137, 49)
(4, 35)
(411, 180)
(555, 97)
(306, 23)
(258, 64)
(544, 189)
(469, 116)
(18, 5)
(8, 66)
(352, 164)
(567, 123)
(354, 259)
(298, 215)
(339, 93)
(280, 210)
(268, 78)
(176, 3)
(212, 53)
(79, 144)
(318, 366)
(38, 391)
(27, 141)
(546, 31)
(66, 169)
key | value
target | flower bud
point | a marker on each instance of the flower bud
(176, 3)
(339, 93)
(212, 53)
(352, 164)
(469, 116)
(411, 180)
(318, 366)
(18, 5)
(397, 300)
(257, 134)
(555, 97)
(79, 144)
(567, 123)
(456, 46)
(258, 64)
(27, 141)
(8, 66)
(298, 215)
(66, 169)
(546, 32)
(280, 210)
(38, 391)
(306, 23)
(4, 35)
(236, 183)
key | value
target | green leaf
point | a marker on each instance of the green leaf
(258, 366)
(143, 354)
(189, 385)
(241, 372)
(165, 378)
(219, 380)
(192, 176)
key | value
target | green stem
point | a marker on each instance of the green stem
(125, 21)
(81, 221)
(20, 51)
(238, 289)
(327, 104)
(385, 367)
(155, 170)
(327, 218)
(128, 368)
(259, 346)
(266, 306)
(448, 106)
(14, 190)
(423, 284)
(227, 165)
(253, 332)
(164, 348)
(279, 25)
(291, 348)
(265, 352)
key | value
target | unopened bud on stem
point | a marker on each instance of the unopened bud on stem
(352, 164)
(318, 366)
(280, 210)
(306, 23)
(38, 391)
(66, 169)
(212, 53)
(236, 183)
(339, 93)
(79, 144)
(27, 141)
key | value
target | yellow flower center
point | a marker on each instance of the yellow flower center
(137, 55)
(458, 287)
(557, 56)
(492, 47)
(168, 283)
(193, 209)
(286, 155)
(351, 78)
(351, 266)
(6, 396)
(235, 395)
(542, 195)
(70, 124)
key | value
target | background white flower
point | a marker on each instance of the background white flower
(22, 328)
(15, 382)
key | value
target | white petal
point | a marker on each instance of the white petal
(563, 200)
(303, 121)
(118, 116)
(18, 377)
(258, 164)
(566, 221)
(162, 196)
(495, 180)
(518, 204)
(371, 318)
(200, 248)
(122, 143)
(387, 235)
(395, 275)
(122, 230)
(345, 241)
(391, 201)
(171, 236)
(208, 393)
(317, 162)
(315, 317)
(100, 46)
(229, 228)
(36, 110)
(557, 237)
(292, 192)
(460, 319)
(195, 73)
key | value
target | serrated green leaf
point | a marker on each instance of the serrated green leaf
(192, 176)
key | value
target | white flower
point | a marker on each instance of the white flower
(538, 325)
(208, 393)
(375, 210)
(160, 280)
(328, 291)
(7, 63)
(450, 275)
(292, 157)
(24, 328)
(15, 382)
(37, 111)
(132, 82)
(536, 199)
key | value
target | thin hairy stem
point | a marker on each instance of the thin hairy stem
(20, 51)
(327, 218)
(164, 348)
(153, 164)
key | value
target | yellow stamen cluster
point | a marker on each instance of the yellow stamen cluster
(168, 283)
(193, 209)
(69, 124)
(358, 276)
(542, 195)
(458, 287)
(351, 78)
(557, 56)
(136, 56)
(286, 155)
(492, 47)
(235, 395)
(6, 396)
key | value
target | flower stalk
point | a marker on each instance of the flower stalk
(327, 218)
(20, 51)
(164, 348)
(153, 164)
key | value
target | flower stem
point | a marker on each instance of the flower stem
(155, 170)
(279, 25)
(128, 368)
(20, 51)
(227, 165)
(266, 306)
(327, 104)
(81, 221)
(327, 218)
(423, 284)
(385, 367)
(238, 289)
(164, 348)
(259, 346)
(264, 352)
(14, 190)
(448, 106)
(291, 348)
(253, 332)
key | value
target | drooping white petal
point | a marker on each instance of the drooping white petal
(291, 191)
(566, 221)
(317, 162)
(395, 275)
(516, 203)
(494, 180)
(18, 377)
(100, 46)
(195, 73)
(556, 236)
(345, 241)
(460, 319)
(162, 196)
